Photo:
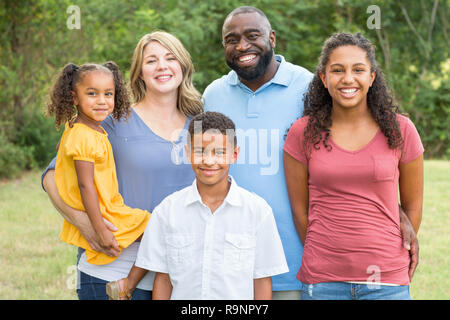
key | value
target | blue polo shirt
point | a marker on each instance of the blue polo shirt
(262, 119)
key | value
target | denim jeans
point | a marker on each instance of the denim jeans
(92, 288)
(352, 291)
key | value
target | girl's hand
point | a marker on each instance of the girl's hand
(108, 242)
(88, 232)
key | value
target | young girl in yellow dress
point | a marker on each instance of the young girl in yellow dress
(85, 172)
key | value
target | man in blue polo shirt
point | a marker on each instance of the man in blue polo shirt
(263, 95)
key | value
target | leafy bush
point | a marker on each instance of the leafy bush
(13, 158)
(432, 117)
(39, 136)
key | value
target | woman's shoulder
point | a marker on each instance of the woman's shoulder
(300, 123)
(405, 123)
(120, 127)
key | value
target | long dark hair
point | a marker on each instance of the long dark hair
(61, 99)
(318, 102)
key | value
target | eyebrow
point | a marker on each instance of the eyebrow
(234, 34)
(154, 55)
(341, 65)
(109, 89)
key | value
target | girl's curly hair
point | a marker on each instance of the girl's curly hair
(318, 102)
(61, 98)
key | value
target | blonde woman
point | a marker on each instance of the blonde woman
(149, 157)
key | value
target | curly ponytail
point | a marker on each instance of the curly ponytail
(121, 98)
(61, 98)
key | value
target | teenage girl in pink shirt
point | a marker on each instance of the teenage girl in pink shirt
(346, 161)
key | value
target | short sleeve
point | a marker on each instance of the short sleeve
(412, 145)
(85, 146)
(269, 259)
(294, 141)
(152, 250)
(206, 100)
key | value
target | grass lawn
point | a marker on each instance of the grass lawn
(35, 264)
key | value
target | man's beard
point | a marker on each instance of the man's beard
(255, 72)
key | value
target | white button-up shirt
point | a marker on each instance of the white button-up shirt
(212, 255)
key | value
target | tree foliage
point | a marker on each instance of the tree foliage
(412, 48)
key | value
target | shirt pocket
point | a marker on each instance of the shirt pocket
(239, 251)
(180, 249)
(384, 168)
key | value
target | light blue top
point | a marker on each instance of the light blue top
(262, 119)
(149, 168)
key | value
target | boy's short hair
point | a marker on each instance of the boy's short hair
(210, 120)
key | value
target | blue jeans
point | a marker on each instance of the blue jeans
(92, 288)
(352, 291)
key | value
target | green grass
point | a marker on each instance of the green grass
(432, 277)
(35, 264)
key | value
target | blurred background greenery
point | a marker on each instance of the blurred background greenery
(36, 42)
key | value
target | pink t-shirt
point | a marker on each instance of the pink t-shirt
(354, 225)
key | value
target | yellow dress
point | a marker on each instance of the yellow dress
(83, 143)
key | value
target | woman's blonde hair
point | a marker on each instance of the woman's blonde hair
(189, 99)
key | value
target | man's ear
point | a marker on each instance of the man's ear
(272, 39)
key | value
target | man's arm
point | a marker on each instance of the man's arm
(78, 218)
(162, 287)
(262, 288)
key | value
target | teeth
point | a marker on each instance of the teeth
(163, 77)
(348, 90)
(247, 58)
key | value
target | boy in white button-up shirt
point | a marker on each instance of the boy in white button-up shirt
(213, 239)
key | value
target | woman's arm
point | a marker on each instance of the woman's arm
(78, 218)
(411, 199)
(411, 190)
(296, 174)
(162, 287)
(88, 192)
(262, 288)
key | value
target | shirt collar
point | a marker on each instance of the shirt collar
(282, 76)
(233, 197)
